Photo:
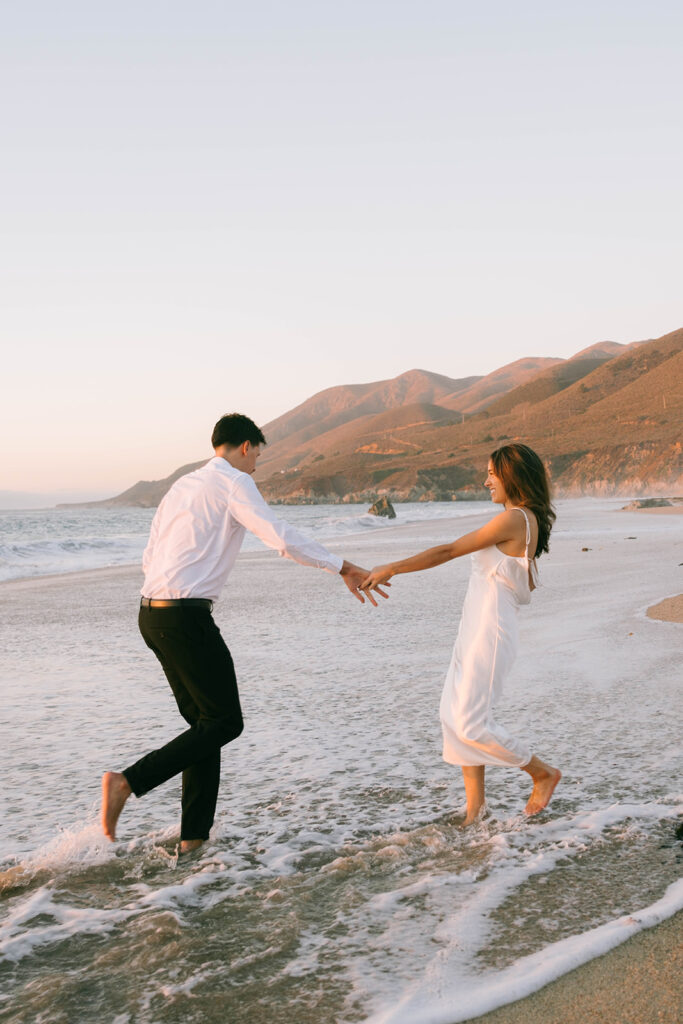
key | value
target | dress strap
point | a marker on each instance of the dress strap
(517, 508)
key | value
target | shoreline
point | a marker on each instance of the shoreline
(637, 982)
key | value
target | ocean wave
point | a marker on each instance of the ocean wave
(71, 554)
(425, 888)
(48, 541)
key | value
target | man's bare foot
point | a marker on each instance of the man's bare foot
(115, 792)
(189, 845)
(544, 787)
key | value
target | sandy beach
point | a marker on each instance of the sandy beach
(336, 885)
(668, 610)
(671, 608)
(639, 982)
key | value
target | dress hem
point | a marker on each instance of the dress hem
(488, 764)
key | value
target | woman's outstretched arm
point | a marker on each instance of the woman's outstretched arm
(504, 527)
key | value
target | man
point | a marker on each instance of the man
(195, 538)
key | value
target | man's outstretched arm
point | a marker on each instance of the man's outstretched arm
(251, 510)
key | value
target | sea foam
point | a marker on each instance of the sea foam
(461, 998)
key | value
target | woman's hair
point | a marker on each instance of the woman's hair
(526, 483)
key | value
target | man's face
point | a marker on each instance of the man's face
(250, 454)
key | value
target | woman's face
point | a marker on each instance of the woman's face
(495, 486)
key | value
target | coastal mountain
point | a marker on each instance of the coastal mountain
(480, 394)
(438, 450)
(604, 350)
(607, 420)
(335, 406)
(546, 384)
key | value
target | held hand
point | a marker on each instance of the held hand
(381, 574)
(353, 576)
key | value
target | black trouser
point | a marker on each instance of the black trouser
(201, 674)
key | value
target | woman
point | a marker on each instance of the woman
(502, 579)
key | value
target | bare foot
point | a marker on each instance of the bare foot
(115, 792)
(472, 817)
(189, 845)
(475, 793)
(544, 787)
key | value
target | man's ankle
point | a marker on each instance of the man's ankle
(188, 845)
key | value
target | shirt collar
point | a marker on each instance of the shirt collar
(222, 465)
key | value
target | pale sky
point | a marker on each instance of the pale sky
(224, 206)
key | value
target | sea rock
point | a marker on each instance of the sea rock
(382, 507)
(648, 503)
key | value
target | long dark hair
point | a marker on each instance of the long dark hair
(526, 483)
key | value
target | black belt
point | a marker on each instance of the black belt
(187, 602)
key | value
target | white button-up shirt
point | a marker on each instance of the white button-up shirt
(198, 530)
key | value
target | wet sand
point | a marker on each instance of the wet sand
(639, 982)
(668, 610)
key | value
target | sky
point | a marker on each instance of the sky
(221, 206)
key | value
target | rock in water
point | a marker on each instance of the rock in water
(382, 507)
(648, 503)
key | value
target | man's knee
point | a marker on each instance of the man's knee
(224, 730)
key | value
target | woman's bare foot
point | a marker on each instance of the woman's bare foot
(545, 779)
(115, 792)
(472, 817)
(473, 777)
(188, 845)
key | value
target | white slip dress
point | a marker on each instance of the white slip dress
(484, 651)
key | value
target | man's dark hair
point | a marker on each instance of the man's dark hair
(234, 429)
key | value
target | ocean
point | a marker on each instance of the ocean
(39, 542)
(336, 885)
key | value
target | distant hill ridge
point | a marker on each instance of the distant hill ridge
(338, 405)
(607, 420)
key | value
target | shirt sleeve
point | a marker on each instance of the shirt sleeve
(251, 511)
(148, 553)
